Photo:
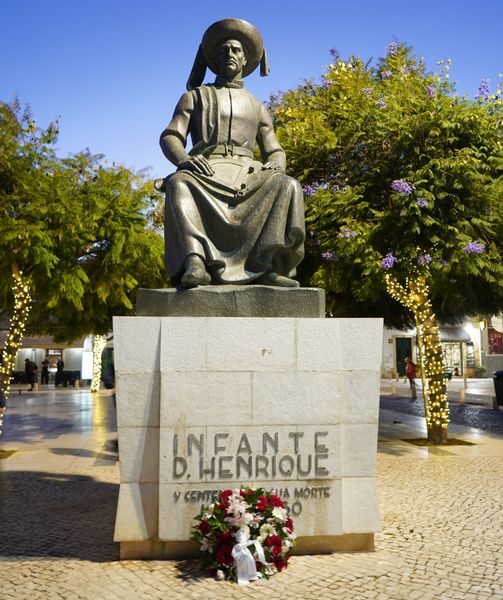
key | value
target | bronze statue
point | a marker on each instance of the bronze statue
(230, 219)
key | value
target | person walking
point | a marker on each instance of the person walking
(410, 373)
(45, 372)
(60, 365)
(29, 368)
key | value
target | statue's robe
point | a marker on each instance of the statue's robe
(243, 221)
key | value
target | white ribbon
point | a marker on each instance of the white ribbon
(260, 551)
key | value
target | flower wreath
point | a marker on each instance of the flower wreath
(262, 515)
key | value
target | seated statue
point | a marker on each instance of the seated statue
(229, 218)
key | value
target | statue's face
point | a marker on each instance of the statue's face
(230, 59)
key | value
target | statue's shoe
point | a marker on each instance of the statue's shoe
(277, 280)
(195, 273)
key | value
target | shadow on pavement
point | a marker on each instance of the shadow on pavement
(192, 570)
(31, 427)
(57, 515)
(109, 452)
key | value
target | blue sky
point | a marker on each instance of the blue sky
(113, 70)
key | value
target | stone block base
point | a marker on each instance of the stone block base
(232, 301)
(205, 404)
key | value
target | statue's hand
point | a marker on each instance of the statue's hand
(198, 164)
(273, 165)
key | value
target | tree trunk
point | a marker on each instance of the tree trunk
(423, 366)
(416, 298)
(99, 344)
(22, 299)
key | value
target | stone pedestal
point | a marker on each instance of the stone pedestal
(206, 403)
(232, 301)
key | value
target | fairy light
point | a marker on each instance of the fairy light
(99, 345)
(22, 305)
(415, 296)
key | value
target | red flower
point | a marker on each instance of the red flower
(276, 501)
(279, 563)
(242, 493)
(262, 503)
(273, 540)
(223, 498)
(289, 524)
(204, 527)
(276, 550)
(225, 537)
(224, 556)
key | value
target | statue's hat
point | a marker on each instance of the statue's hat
(227, 29)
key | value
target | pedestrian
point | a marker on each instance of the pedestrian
(60, 365)
(45, 372)
(30, 368)
(410, 373)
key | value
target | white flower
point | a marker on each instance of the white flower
(266, 530)
(270, 570)
(205, 545)
(279, 514)
(220, 575)
(287, 544)
(236, 511)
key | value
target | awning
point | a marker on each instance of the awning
(454, 334)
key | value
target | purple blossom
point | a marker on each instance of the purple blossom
(422, 202)
(381, 104)
(431, 91)
(367, 91)
(391, 48)
(346, 233)
(334, 53)
(484, 89)
(401, 186)
(310, 190)
(386, 74)
(329, 256)
(424, 259)
(475, 247)
(388, 261)
(442, 261)
(325, 82)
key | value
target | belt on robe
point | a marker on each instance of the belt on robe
(218, 150)
(230, 150)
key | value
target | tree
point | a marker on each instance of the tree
(403, 184)
(73, 235)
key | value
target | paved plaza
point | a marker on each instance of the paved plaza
(441, 510)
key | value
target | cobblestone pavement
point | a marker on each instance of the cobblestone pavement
(441, 538)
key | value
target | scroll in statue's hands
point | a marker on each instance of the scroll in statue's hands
(198, 164)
